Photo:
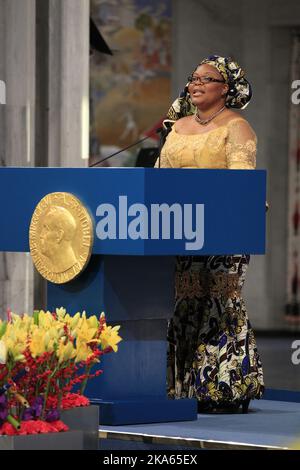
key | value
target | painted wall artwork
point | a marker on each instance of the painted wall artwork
(130, 91)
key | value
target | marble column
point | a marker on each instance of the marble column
(17, 73)
(44, 66)
(2, 92)
(63, 82)
(62, 91)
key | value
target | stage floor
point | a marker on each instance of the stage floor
(268, 425)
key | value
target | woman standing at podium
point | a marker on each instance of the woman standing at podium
(212, 350)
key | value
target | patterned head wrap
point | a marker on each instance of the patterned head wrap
(238, 96)
(240, 91)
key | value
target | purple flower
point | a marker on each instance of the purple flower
(3, 408)
(35, 409)
(3, 400)
(52, 415)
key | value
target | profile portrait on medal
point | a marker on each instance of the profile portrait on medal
(60, 237)
(56, 238)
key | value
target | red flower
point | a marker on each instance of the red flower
(73, 400)
(33, 427)
(7, 429)
(51, 402)
(60, 426)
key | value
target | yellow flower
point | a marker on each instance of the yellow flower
(14, 349)
(46, 320)
(85, 333)
(109, 337)
(37, 343)
(51, 338)
(15, 339)
(46, 340)
(65, 352)
(75, 320)
(82, 352)
(45, 332)
(93, 321)
(43, 339)
(21, 323)
(19, 358)
(3, 326)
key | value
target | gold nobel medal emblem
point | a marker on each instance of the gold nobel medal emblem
(60, 237)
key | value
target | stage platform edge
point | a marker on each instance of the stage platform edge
(119, 441)
(147, 410)
(269, 425)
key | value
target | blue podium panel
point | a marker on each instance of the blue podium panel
(148, 410)
(147, 211)
(233, 209)
(138, 370)
(136, 292)
(122, 286)
(142, 218)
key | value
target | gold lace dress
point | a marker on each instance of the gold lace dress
(212, 352)
(231, 146)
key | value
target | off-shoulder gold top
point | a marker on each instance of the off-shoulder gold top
(231, 146)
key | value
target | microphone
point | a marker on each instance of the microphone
(163, 131)
(157, 131)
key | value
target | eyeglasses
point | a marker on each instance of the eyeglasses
(203, 80)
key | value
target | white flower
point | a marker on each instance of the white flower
(3, 352)
(60, 312)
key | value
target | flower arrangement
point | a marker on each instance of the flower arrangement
(42, 358)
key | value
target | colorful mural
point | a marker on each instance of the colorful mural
(129, 91)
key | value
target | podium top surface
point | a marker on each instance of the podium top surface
(143, 211)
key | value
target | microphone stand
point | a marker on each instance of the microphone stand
(120, 151)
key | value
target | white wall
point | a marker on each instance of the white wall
(267, 47)
(202, 28)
